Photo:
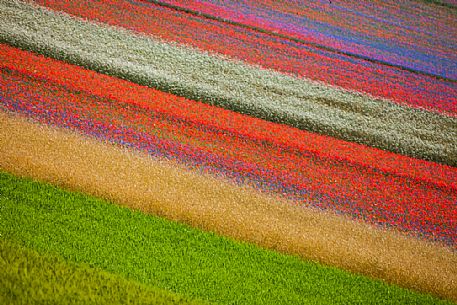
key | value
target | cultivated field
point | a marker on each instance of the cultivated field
(224, 152)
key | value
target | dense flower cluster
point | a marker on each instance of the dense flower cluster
(384, 44)
(314, 170)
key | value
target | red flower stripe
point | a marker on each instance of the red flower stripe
(260, 130)
(343, 176)
(401, 86)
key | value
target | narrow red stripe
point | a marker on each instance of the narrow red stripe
(403, 87)
(256, 129)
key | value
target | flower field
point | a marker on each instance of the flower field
(228, 153)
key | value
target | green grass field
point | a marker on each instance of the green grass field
(155, 253)
(48, 279)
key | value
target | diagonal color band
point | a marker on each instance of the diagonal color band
(165, 188)
(230, 84)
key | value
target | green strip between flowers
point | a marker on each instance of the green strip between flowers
(175, 257)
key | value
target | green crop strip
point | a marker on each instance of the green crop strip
(28, 277)
(172, 256)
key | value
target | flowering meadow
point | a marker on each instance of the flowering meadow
(228, 152)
